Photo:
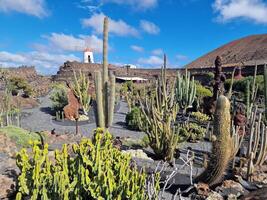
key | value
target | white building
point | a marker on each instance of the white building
(88, 56)
(130, 66)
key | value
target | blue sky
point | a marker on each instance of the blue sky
(45, 33)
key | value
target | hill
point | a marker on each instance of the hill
(249, 49)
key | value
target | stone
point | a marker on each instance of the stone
(138, 154)
(7, 186)
(214, 196)
(230, 187)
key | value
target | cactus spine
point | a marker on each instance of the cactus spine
(105, 88)
(223, 146)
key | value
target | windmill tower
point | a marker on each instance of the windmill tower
(88, 56)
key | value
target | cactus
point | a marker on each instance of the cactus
(80, 88)
(222, 150)
(185, 90)
(105, 88)
(96, 170)
(158, 117)
(265, 89)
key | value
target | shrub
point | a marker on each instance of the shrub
(201, 117)
(132, 119)
(59, 97)
(16, 83)
(96, 170)
(202, 91)
(240, 85)
(192, 132)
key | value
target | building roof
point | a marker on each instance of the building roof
(88, 50)
(127, 78)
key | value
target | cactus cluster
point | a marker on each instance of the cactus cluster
(185, 90)
(105, 88)
(94, 170)
(159, 112)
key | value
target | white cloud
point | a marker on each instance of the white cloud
(43, 61)
(157, 52)
(36, 8)
(255, 10)
(70, 43)
(151, 61)
(180, 57)
(137, 48)
(119, 27)
(149, 27)
(136, 4)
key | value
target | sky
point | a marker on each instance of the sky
(46, 33)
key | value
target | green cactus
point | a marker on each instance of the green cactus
(80, 87)
(185, 90)
(105, 88)
(265, 90)
(222, 150)
(159, 112)
(96, 170)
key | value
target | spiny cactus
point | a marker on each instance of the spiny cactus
(185, 90)
(105, 88)
(222, 149)
(94, 170)
(80, 88)
(159, 112)
(265, 90)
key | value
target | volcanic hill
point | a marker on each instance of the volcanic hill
(246, 50)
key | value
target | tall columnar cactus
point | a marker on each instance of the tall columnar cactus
(105, 88)
(185, 90)
(222, 150)
(251, 94)
(80, 88)
(158, 118)
(265, 89)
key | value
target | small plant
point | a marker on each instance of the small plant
(59, 97)
(132, 119)
(15, 84)
(192, 132)
(201, 117)
(202, 91)
(96, 170)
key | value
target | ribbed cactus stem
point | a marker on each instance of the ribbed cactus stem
(223, 146)
(265, 89)
(105, 51)
(100, 121)
(111, 99)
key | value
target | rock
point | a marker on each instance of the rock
(260, 194)
(214, 196)
(7, 186)
(230, 187)
(138, 154)
(7, 146)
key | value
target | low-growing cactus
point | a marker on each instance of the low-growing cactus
(94, 170)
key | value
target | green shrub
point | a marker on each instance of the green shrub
(192, 132)
(132, 118)
(59, 97)
(202, 91)
(16, 83)
(19, 135)
(96, 170)
(201, 117)
(240, 85)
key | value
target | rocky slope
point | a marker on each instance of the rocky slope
(248, 50)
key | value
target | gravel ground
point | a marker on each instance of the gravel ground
(39, 119)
